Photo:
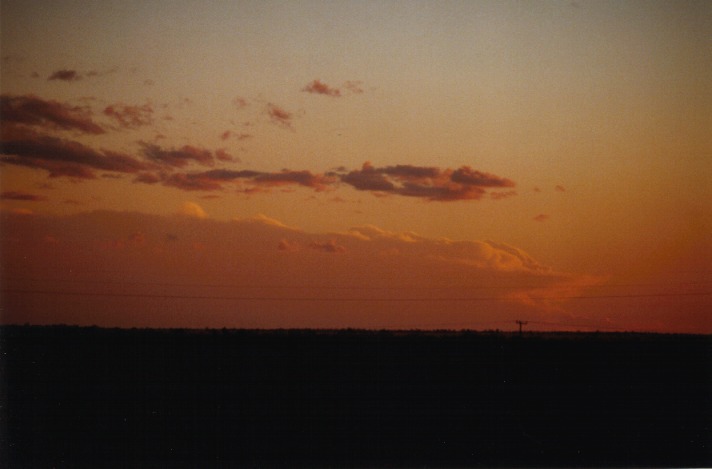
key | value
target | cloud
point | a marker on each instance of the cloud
(177, 157)
(149, 178)
(48, 114)
(279, 116)
(62, 157)
(354, 86)
(502, 195)
(318, 87)
(329, 246)
(375, 278)
(286, 177)
(288, 246)
(264, 219)
(429, 183)
(130, 117)
(222, 155)
(186, 182)
(239, 136)
(19, 195)
(560, 188)
(73, 75)
(215, 179)
(65, 75)
(191, 209)
(240, 102)
(541, 217)
(368, 179)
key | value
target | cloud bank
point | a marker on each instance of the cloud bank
(190, 271)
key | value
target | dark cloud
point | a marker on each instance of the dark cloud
(48, 114)
(65, 75)
(424, 182)
(24, 196)
(468, 176)
(216, 178)
(130, 116)
(319, 87)
(429, 183)
(73, 75)
(279, 116)
(229, 174)
(302, 178)
(67, 158)
(560, 189)
(406, 171)
(541, 217)
(177, 157)
(368, 179)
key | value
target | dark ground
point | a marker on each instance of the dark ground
(221, 398)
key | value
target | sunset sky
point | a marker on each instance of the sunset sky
(376, 164)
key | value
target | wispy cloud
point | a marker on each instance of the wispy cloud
(130, 116)
(502, 195)
(279, 115)
(177, 157)
(319, 87)
(240, 102)
(237, 135)
(354, 86)
(47, 114)
(23, 196)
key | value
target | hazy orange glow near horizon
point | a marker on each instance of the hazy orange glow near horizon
(401, 164)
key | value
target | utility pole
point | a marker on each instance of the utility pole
(521, 323)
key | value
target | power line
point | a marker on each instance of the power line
(347, 287)
(344, 299)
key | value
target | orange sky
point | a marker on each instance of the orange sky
(357, 164)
